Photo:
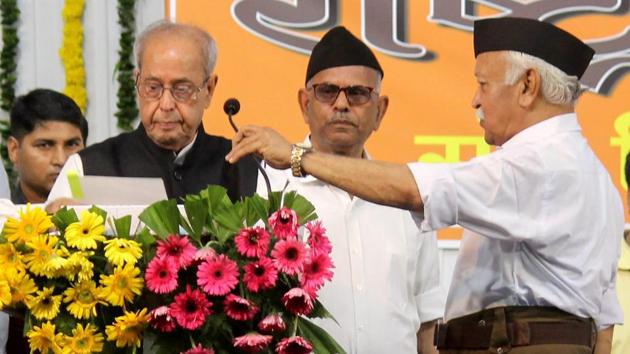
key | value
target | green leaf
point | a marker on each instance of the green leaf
(122, 226)
(64, 217)
(162, 217)
(322, 342)
(255, 208)
(197, 214)
(320, 311)
(303, 208)
(98, 211)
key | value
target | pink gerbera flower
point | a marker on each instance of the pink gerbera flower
(298, 301)
(161, 275)
(238, 308)
(198, 349)
(294, 345)
(190, 308)
(179, 248)
(317, 269)
(252, 342)
(260, 275)
(289, 256)
(272, 324)
(162, 320)
(317, 238)
(252, 241)
(284, 223)
(218, 276)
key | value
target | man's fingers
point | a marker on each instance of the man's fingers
(244, 147)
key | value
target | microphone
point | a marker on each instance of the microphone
(231, 107)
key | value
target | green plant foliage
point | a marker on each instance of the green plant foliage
(10, 15)
(127, 108)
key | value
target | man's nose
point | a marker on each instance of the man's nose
(167, 101)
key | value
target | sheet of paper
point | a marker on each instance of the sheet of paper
(102, 190)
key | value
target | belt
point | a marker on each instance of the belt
(470, 333)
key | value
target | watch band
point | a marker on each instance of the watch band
(297, 152)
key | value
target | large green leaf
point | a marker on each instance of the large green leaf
(303, 208)
(122, 226)
(322, 342)
(98, 211)
(320, 311)
(162, 217)
(64, 217)
(255, 208)
(197, 214)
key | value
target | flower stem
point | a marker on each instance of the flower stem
(294, 326)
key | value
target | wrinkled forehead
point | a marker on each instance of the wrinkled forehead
(347, 76)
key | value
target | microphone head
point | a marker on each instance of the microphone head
(231, 106)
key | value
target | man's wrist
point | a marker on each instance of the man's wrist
(297, 153)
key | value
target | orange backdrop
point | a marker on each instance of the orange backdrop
(429, 117)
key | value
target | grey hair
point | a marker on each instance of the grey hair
(206, 42)
(556, 86)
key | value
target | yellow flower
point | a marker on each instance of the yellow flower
(10, 258)
(45, 259)
(120, 286)
(30, 223)
(85, 233)
(78, 264)
(83, 297)
(120, 250)
(127, 329)
(44, 305)
(22, 286)
(83, 340)
(44, 338)
(5, 293)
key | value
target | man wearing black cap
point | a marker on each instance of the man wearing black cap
(536, 272)
(383, 287)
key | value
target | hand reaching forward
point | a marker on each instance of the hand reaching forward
(262, 141)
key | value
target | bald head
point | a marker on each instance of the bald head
(160, 29)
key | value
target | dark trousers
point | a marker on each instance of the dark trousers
(517, 330)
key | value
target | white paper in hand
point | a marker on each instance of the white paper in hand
(102, 190)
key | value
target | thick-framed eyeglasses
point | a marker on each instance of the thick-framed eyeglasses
(182, 92)
(356, 95)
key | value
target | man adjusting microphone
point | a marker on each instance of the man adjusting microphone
(175, 81)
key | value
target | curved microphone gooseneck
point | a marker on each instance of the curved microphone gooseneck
(231, 107)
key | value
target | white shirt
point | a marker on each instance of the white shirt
(544, 221)
(386, 279)
(61, 188)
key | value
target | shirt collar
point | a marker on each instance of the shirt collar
(181, 155)
(545, 129)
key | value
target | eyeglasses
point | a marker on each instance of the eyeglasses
(182, 92)
(356, 95)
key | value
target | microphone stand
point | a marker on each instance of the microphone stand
(230, 112)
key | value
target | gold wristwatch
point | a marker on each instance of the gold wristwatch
(297, 151)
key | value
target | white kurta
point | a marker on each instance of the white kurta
(543, 222)
(386, 278)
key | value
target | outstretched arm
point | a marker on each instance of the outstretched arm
(379, 182)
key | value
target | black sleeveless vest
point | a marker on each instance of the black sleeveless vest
(134, 154)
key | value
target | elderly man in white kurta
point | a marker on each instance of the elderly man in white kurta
(386, 280)
(536, 272)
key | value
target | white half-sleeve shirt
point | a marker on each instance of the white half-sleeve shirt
(543, 222)
(386, 276)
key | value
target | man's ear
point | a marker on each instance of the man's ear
(13, 146)
(529, 87)
(211, 85)
(383, 103)
(304, 101)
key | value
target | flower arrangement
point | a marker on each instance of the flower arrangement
(226, 277)
(71, 52)
(77, 289)
(244, 279)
